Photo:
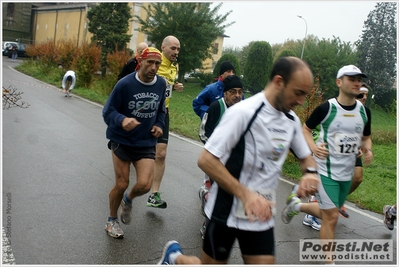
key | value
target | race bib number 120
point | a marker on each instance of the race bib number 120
(346, 144)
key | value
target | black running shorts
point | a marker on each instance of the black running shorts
(219, 240)
(130, 153)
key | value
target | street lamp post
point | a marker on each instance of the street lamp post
(306, 31)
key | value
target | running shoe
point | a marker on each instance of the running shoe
(114, 229)
(389, 219)
(343, 212)
(288, 212)
(170, 247)
(311, 221)
(202, 230)
(126, 215)
(155, 201)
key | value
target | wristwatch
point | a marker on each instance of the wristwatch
(311, 170)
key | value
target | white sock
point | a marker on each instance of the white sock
(297, 207)
(173, 256)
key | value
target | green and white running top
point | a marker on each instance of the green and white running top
(342, 129)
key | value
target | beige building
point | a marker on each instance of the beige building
(69, 22)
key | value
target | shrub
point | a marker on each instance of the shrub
(230, 58)
(391, 109)
(258, 66)
(86, 64)
(115, 62)
(67, 52)
(286, 53)
(205, 78)
(44, 54)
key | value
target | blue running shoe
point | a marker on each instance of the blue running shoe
(170, 247)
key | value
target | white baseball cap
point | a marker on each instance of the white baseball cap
(363, 90)
(350, 70)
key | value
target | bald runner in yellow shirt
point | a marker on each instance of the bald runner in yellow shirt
(170, 50)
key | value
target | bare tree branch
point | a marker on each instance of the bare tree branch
(12, 98)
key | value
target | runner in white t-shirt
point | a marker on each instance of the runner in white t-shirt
(244, 156)
(345, 134)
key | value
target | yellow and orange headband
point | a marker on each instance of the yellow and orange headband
(151, 51)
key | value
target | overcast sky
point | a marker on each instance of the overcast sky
(277, 21)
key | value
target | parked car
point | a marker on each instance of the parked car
(21, 50)
(5, 45)
(188, 76)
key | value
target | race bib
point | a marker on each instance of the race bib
(269, 194)
(346, 144)
(169, 89)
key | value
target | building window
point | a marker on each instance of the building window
(215, 48)
(10, 14)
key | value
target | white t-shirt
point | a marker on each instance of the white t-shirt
(259, 162)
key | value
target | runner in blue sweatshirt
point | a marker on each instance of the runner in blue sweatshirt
(135, 115)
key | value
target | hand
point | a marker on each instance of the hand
(258, 207)
(368, 156)
(308, 185)
(129, 124)
(321, 151)
(178, 87)
(156, 131)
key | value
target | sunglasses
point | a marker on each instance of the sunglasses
(359, 96)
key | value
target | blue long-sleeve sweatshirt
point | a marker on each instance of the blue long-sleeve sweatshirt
(211, 93)
(207, 96)
(135, 99)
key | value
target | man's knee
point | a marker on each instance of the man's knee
(160, 152)
(143, 186)
(121, 183)
(330, 217)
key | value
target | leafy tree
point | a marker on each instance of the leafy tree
(196, 25)
(232, 59)
(240, 53)
(377, 47)
(109, 24)
(288, 45)
(258, 66)
(325, 57)
(286, 53)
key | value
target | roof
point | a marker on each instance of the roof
(64, 6)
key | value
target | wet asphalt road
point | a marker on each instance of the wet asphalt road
(57, 173)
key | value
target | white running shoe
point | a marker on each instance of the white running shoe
(311, 221)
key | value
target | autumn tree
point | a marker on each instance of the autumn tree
(109, 24)
(378, 47)
(196, 25)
